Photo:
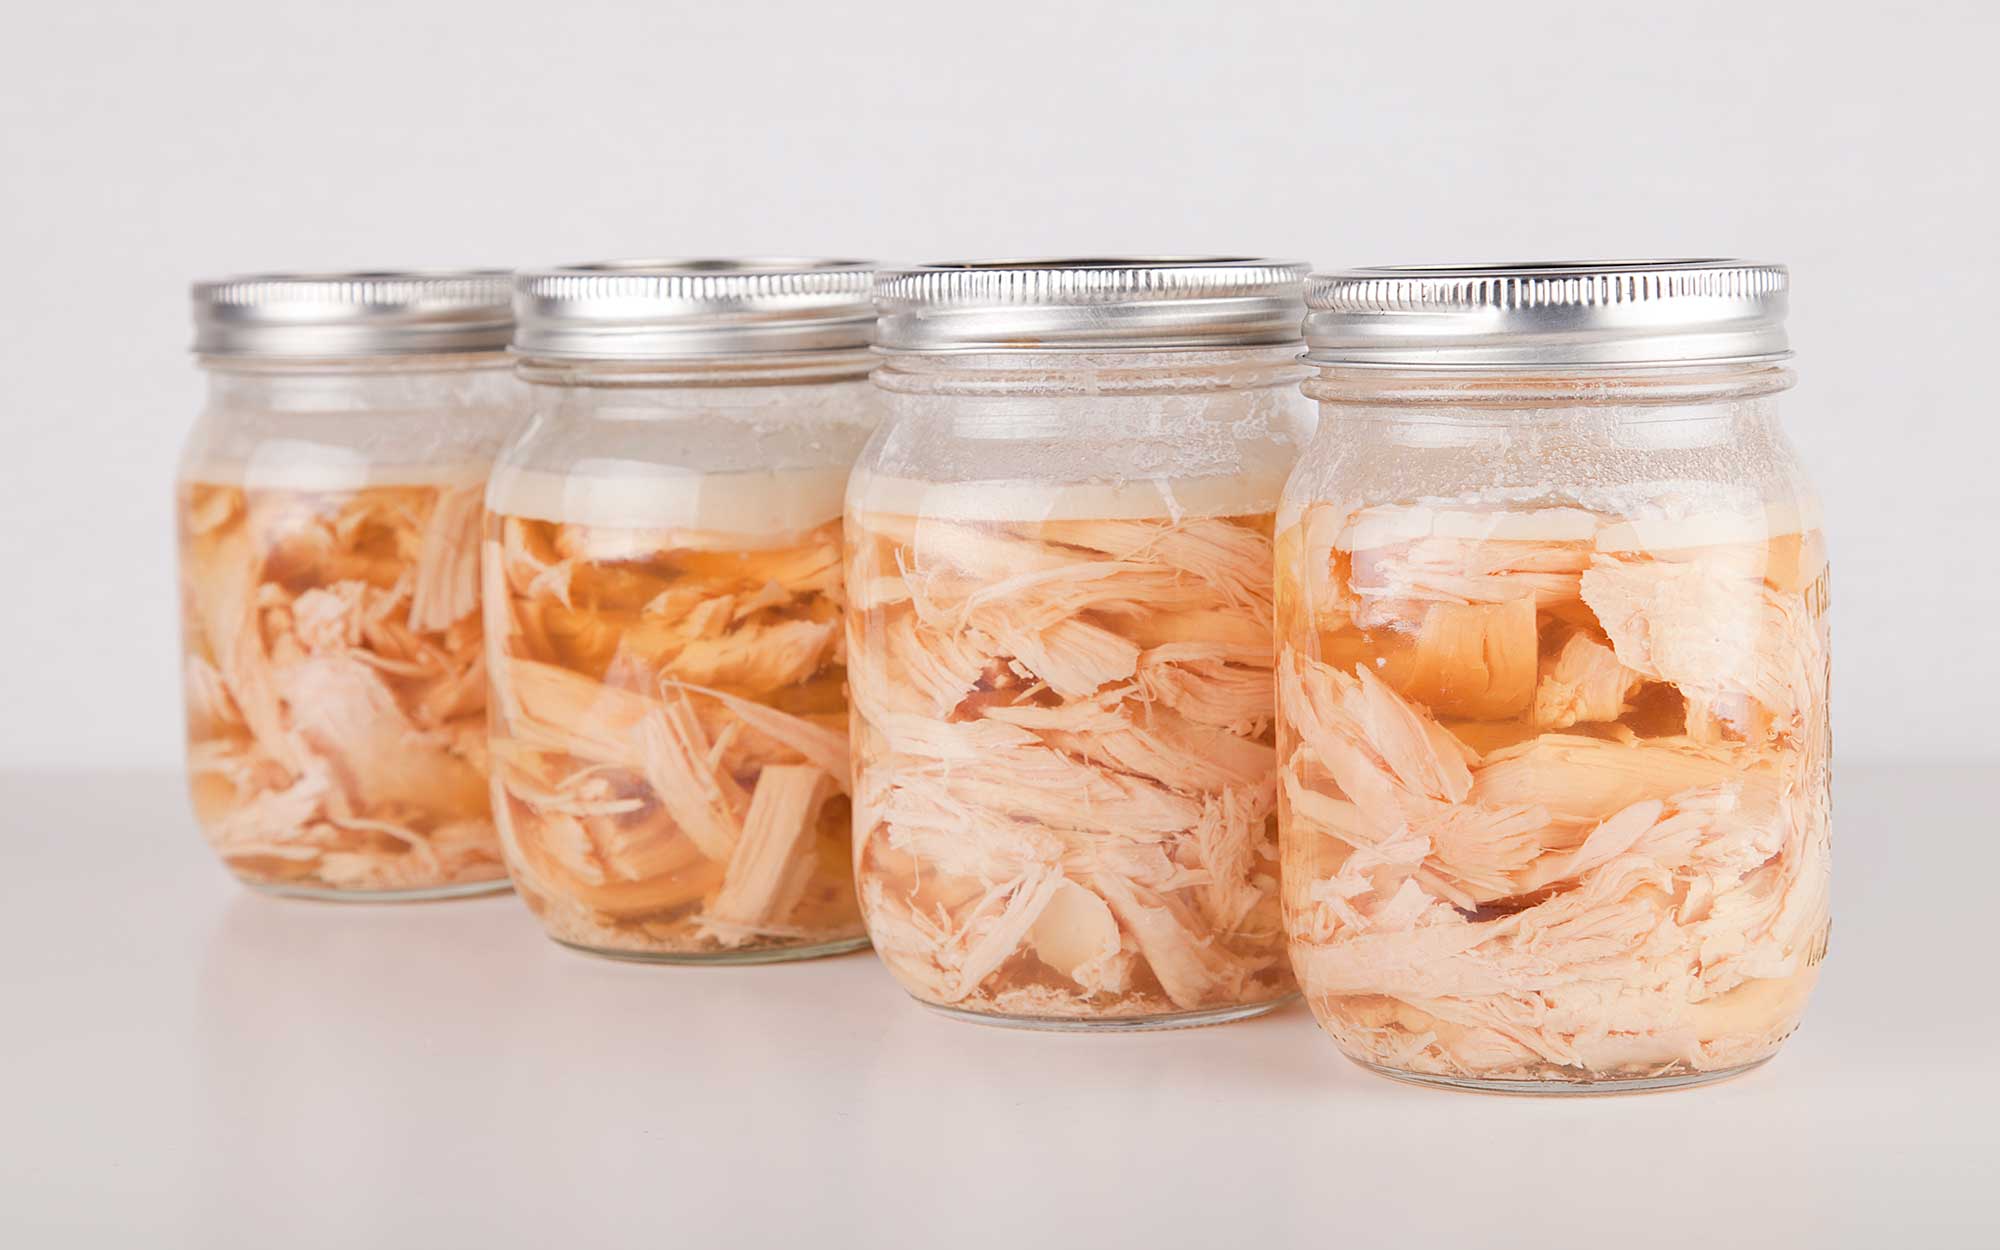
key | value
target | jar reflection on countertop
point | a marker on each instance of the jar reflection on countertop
(328, 517)
(662, 570)
(1059, 560)
(1553, 677)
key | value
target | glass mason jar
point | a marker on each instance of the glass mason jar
(662, 566)
(1059, 648)
(1553, 677)
(328, 516)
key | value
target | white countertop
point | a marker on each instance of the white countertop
(189, 1063)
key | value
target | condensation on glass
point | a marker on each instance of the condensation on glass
(328, 520)
(1059, 638)
(1552, 677)
(664, 598)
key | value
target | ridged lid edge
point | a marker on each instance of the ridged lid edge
(1545, 314)
(1091, 304)
(694, 309)
(339, 315)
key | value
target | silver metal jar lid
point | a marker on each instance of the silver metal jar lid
(336, 316)
(1542, 315)
(641, 310)
(1090, 304)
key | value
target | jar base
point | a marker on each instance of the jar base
(761, 955)
(1113, 1024)
(422, 894)
(1561, 1088)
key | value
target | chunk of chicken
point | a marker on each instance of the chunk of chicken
(1583, 681)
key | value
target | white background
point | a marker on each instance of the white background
(149, 144)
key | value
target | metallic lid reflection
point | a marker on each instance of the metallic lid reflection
(643, 310)
(335, 316)
(1548, 315)
(1091, 304)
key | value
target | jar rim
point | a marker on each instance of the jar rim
(1560, 387)
(777, 368)
(353, 364)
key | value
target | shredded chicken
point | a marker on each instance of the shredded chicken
(1065, 775)
(1554, 799)
(336, 692)
(670, 745)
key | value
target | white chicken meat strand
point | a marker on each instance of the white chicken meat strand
(1554, 802)
(1065, 785)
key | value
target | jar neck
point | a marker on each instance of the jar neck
(1509, 395)
(1130, 372)
(359, 384)
(789, 369)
